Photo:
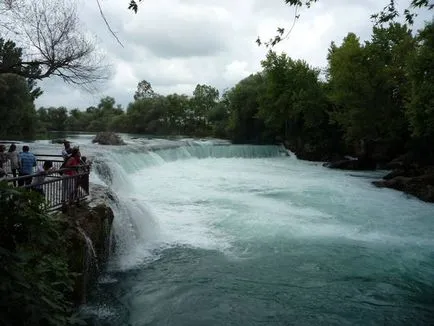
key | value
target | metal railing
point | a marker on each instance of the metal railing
(60, 187)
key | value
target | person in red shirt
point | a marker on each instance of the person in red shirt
(73, 160)
(70, 184)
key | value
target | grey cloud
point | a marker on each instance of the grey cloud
(180, 40)
(181, 32)
(178, 44)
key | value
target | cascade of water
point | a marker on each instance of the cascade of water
(136, 158)
(91, 257)
(135, 231)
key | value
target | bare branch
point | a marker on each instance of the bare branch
(281, 31)
(107, 24)
(50, 35)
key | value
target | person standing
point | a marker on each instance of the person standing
(14, 158)
(70, 183)
(66, 152)
(41, 174)
(27, 163)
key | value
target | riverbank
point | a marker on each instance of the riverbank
(407, 173)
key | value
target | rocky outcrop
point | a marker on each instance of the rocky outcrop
(411, 173)
(421, 186)
(89, 239)
(108, 138)
(310, 152)
(58, 141)
(356, 164)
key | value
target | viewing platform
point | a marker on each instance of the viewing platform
(59, 188)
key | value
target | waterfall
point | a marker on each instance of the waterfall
(91, 257)
(135, 158)
(135, 230)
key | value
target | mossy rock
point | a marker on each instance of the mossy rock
(108, 138)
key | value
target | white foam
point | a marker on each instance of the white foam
(187, 197)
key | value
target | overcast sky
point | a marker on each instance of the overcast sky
(176, 44)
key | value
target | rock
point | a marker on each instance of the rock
(310, 152)
(351, 164)
(401, 162)
(395, 173)
(108, 138)
(58, 141)
(421, 186)
(89, 237)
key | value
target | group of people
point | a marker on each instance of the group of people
(20, 164)
(24, 164)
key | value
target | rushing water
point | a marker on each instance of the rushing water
(242, 235)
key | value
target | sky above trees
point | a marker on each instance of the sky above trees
(177, 44)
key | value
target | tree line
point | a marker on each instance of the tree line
(379, 91)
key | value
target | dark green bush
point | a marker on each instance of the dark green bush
(35, 281)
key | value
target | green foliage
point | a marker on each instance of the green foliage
(11, 61)
(293, 100)
(352, 90)
(420, 98)
(377, 91)
(420, 107)
(149, 113)
(17, 93)
(17, 110)
(52, 119)
(36, 283)
(144, 90)
(243, 106)
(368, 84)
(294, 104)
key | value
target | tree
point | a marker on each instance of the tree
(293, 104)
(53, 119)
(11, 60)
(177, 113)
(368, 84)
(17, 111)
(353, 90)
(148, 115)
(55, 46)
(144, 90)
(218, 118)
(420, 99)
(242, 103)
(77, 120)
(388, 53)
(204, 100)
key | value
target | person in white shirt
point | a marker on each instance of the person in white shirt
(66, 152)
(41, 172)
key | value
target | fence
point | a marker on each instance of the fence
(56, 159)
(60, 187)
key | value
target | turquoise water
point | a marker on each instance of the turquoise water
(242, 235)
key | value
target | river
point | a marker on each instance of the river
(215, 234)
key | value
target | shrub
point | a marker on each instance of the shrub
(36, 284)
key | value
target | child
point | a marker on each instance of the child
(42, 172)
